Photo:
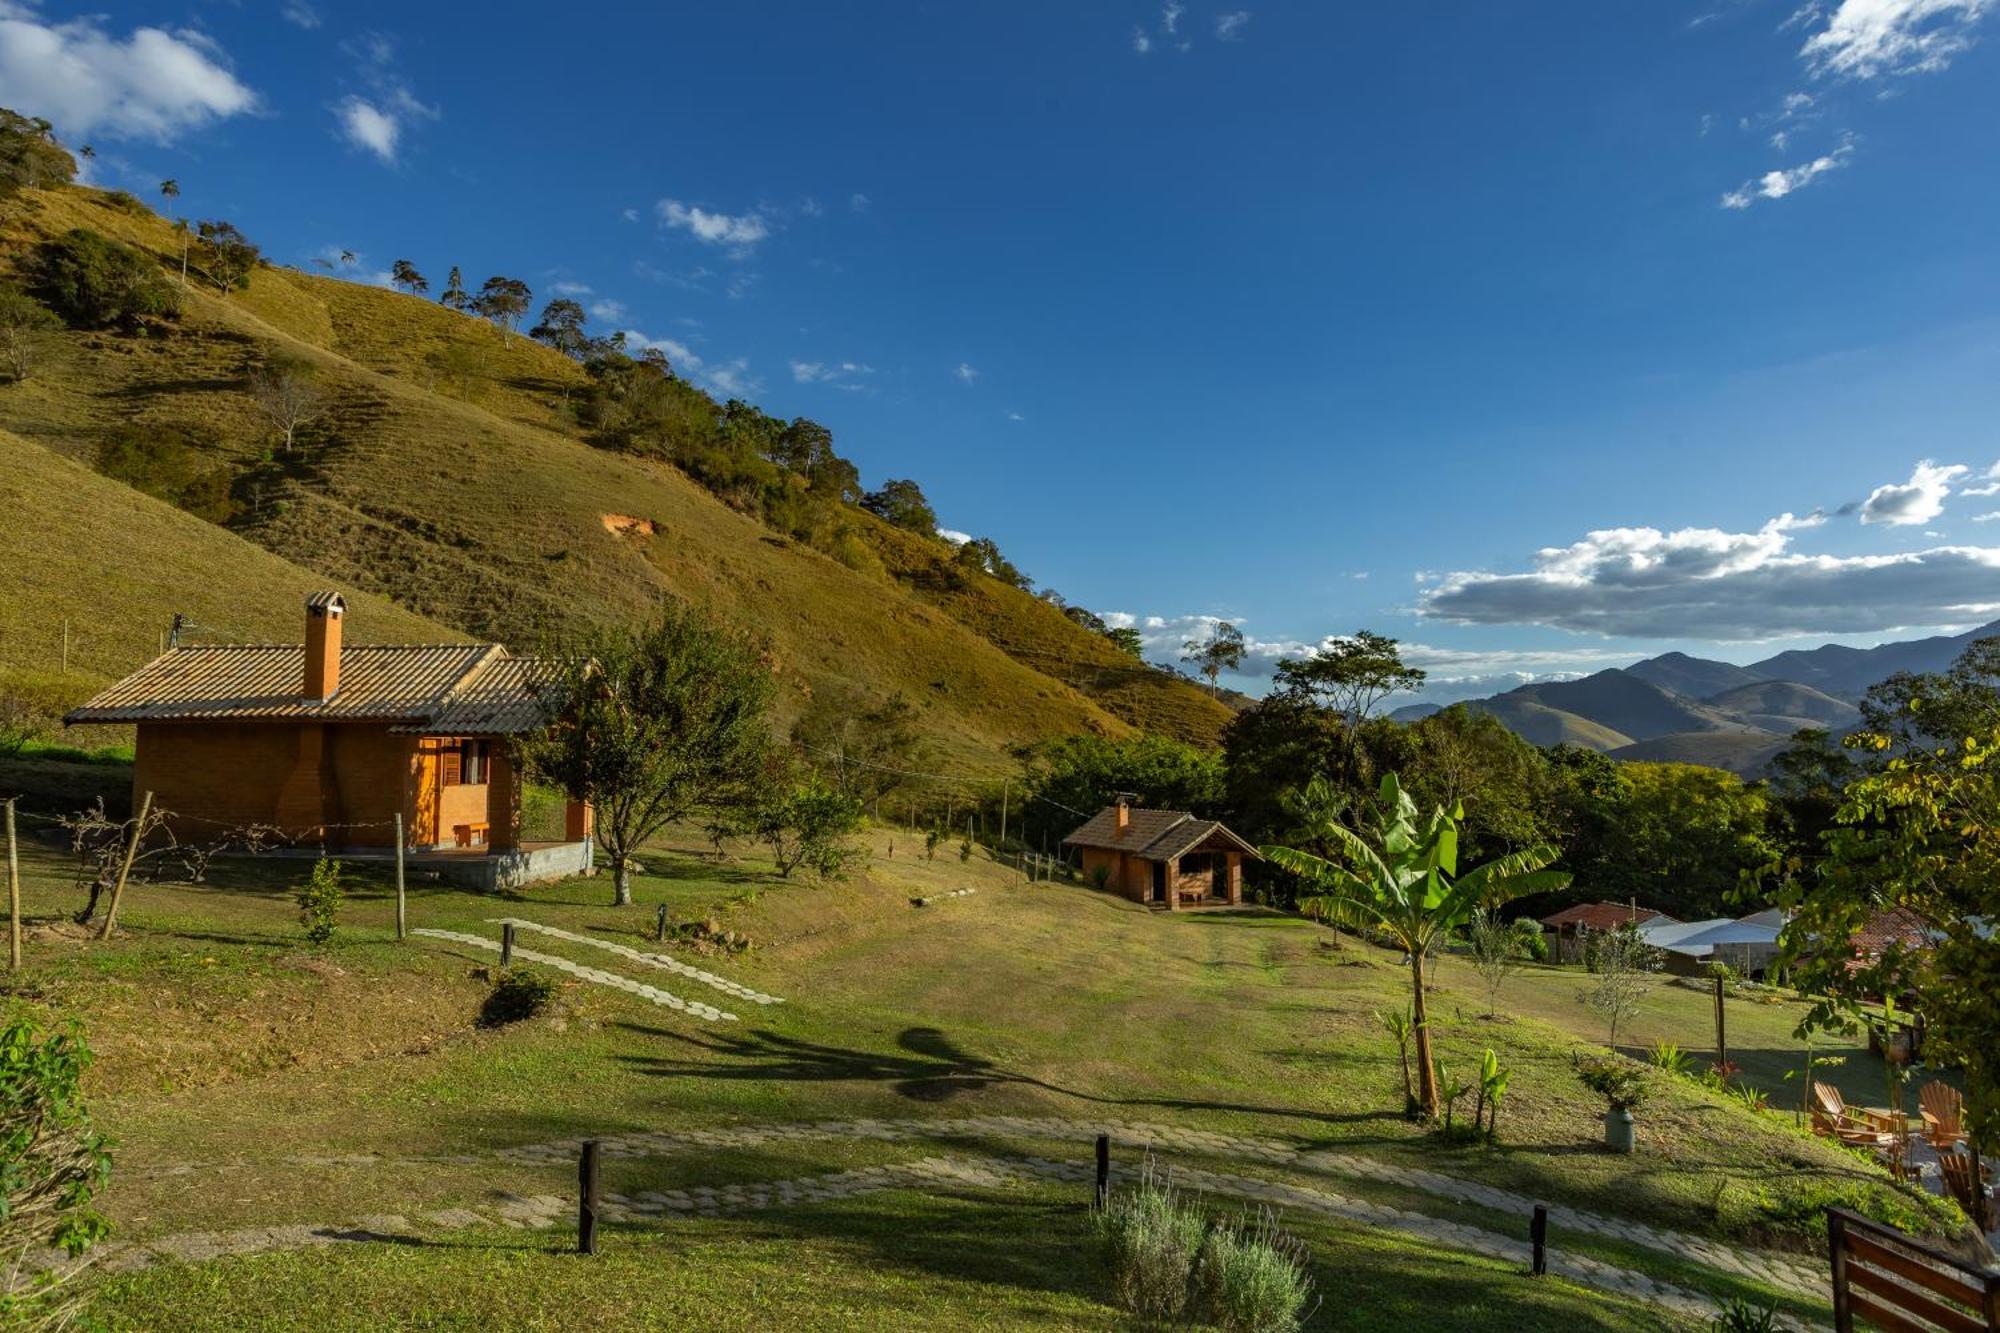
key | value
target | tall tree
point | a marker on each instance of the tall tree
(27, 331)
(654, 726)
(562, 327)
(404, 274)
(864, 748)
(1217, 651)
(1350, 675)
(30, 157)
(227, 254)
(288, 395)
(902, 503)
(454, 296)
(1127, 641)
(503, 300)
(1404, 879)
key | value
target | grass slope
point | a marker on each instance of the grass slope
(1785, 706)
(1624, 703)
(1691, 677)
(1541, 724)
(1745, 753)
(460, 495)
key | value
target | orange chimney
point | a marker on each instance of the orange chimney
(1124, 810)
(323, 613)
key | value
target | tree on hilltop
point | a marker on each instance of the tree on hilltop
(227, 254)
(1349, 675)
(901, 502)
(502, 300)
(562, 328)
(1220, 650)
(405, 276)
(454, 296)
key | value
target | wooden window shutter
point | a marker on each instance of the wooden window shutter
(449, 761)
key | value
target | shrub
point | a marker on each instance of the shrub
(1740, 1316)
(812, 827)
(1616, 1080)
(21, 721)
(518, 993)
(1669, 1058)
(27, 331)
(319, 902)
(52, 1162)
(94, 282)
(1149, 1239)
(30, 155)
(168, 463)
(1532, 940)
(1252, 1278)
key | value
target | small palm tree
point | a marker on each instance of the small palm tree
(1405, 881)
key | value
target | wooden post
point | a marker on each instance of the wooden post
(1721, 1032)
(14, 896)
(660, 926)
(507, 944)
(587, 1182)
(1103, 1195)
(65, 647)
(401, 916)
(125, 870)
(1836, 1248)
(1006, 790)
(1538, 1236)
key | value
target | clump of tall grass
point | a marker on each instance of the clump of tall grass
(1168, 1263)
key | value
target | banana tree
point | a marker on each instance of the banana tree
(1404, 879)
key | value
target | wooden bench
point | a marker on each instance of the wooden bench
(470, 835)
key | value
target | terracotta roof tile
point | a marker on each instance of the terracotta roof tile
(1603, 916)
(1156, 835)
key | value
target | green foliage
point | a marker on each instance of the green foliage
(30, 157)
(1496, 955)
(1217, 651)
(812, 826)
(1126, 640)
(932, 837)
(502, 300)
(1624, 964)
(518, 993)
(1669, 1058)
(1252, 1278)
(27, 331)
(1402, 1027)
(656, 725)
(901, 502)
(170, 463)
(866, 748)
(1680, 837)
(94, 282)
(404, 274)
(1349, 676)
(1405, 879)
(53, 1162)
(982, 555)
(562, 328)
(1493, 1079)
(227, 255)
(1740, 1316)
(1149, 1238)
(1796, 1214)
(320, 899)
(1615, 1079)
(23, 721)
(1531, 939)
(1086, 772)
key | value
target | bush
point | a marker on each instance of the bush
(30, 155)
(168, 463)
(94, 282)
(52, 1162)
(1149, 1240)
(1669, 1058)
(319, 902)
(1740, 1316)
(813, 827)
(518, 993)
(1252, 1278)
(21, 722)
(27, 331)
(1617, 1080)
(1532, 940)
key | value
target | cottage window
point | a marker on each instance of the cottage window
(463, 763)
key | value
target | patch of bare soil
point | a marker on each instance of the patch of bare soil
(630, 525)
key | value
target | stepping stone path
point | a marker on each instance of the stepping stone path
(694, 1008)
(940, 897)
(658, 960)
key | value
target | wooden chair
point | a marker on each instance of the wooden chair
(1943, 1108)
(1956, 1168)
(1864, 1129)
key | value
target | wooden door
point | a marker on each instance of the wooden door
(424, 806)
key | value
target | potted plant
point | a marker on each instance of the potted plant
(1622, 1087)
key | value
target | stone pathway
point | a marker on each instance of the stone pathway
(934, 1174)
(658, 960)
(649, 993)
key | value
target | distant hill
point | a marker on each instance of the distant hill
(451, 478)
(1537, 722)
(1848, 672)
(1784, 706)
(1623, 703)
(1692, 677)
(1415, 712)
(1744, 752)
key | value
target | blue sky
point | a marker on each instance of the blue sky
(1512, 330)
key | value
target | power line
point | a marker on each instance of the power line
(964, 784)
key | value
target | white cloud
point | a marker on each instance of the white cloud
(731, 379)
(1229, 27)
(380, 121)
(954, 536)
(1142, 41)
(1170, 16)
(368, 126)
(840, 374)
(300, 14)
(857, 202)
(1015, 416)
(965, 374)
(1916, 501)
(1989, 483)
(153, 84)
(1866, 38)
(630, 214)
(1703, 583)
(1778, 184)
(1987, 517)
(570, 288)
(608, 310)
(737, 231)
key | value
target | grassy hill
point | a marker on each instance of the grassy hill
(1691, 677)
(1623, 703)
(447, 479)
(1537, 722)
(1743, 752)
(1848, 672)
(1784, 706)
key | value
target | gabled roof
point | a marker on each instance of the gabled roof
(1153, 835)
(1896, 925)
(451, 688)
(1603, 916)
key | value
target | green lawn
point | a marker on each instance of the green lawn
(222, 1040)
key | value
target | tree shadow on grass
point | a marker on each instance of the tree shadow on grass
(928, 1067)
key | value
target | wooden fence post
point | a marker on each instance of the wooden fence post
(13, 894)
(507, 945)
(401, 918)
(1836, 1248)
(1538, 1236)
(1721, 1031)
(660, 926)
(1103, 1195)
(587, 1181)
(125, 870)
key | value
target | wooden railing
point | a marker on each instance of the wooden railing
(1901, 1284)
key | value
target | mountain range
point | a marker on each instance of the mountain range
(1687, 709)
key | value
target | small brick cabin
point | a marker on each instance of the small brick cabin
(329, 743)
(1166, 858)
